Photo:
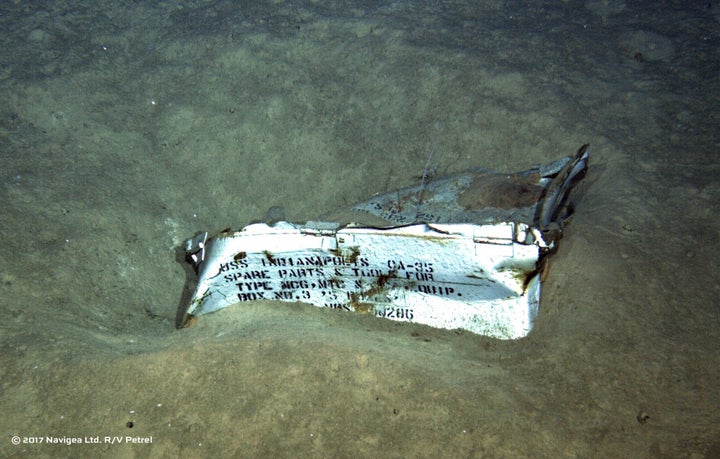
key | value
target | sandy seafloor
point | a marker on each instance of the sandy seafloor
(126, 127)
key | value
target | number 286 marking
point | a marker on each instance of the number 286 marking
(395, 313)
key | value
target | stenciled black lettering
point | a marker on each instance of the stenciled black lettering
(252, 296)
(239, 264)
(276, 261)
(395, 265)
(303, 272)
(419, 276)
(253, 286)
(372, 272)
(331, 283)
(294, 285)
(435, 289)
(258, 274)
